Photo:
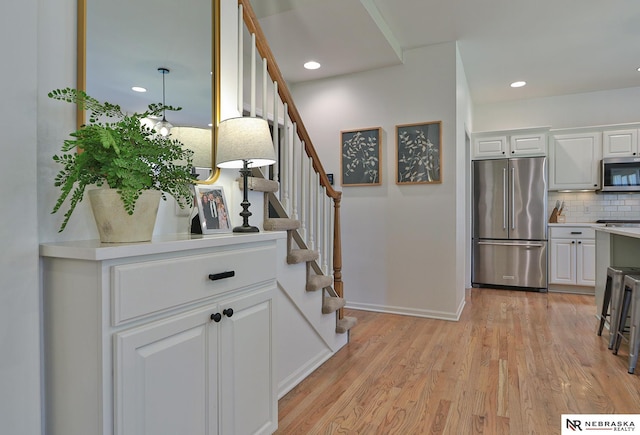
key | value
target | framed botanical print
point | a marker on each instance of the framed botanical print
(419, 153)
(360, 157)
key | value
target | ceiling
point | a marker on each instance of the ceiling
(557, 47)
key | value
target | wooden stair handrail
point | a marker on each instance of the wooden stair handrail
(251, 21)
(253, 26)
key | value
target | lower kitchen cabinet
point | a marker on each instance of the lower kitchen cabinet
(161, 340)
(572, 256)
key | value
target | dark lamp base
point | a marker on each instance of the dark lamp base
(247, 229)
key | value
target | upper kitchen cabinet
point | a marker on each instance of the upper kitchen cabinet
(504, 144)
(620, 143)
(574, 160)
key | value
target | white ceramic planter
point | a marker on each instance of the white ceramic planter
(115, 225)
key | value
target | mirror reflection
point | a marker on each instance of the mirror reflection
(127, 42)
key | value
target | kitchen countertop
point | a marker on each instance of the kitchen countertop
(633, 232)
(575, 224)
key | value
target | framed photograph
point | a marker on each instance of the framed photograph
(212, 209)
(419, 153)
(360, 157)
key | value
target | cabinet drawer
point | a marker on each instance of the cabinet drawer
(144, 288)
(572, 232)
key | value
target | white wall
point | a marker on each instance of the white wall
(19, 295)
(566, 111)
(401, 251)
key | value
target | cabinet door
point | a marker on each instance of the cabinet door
(528, 144)
(574, 161)
(165, 377)
(586, 263)
(487, 147)
(562, 259)
(248, 397)
(620, 143)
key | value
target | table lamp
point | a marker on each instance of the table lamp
(244, 143)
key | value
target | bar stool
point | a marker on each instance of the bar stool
(612, 297)
(630, 300)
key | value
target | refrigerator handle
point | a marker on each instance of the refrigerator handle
(504, 198)
(513, 197)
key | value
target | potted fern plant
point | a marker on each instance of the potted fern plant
(126, 160)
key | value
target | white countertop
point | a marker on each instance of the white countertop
(94, 250)
(575, 224)
(633, 232)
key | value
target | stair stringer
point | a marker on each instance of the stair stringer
(306, 337)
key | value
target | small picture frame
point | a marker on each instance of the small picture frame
(212, 209)
(360, 157)
(419, 153)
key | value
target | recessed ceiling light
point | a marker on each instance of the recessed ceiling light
(138, 89)
(638, 69)
(518, 84)
(312, 64)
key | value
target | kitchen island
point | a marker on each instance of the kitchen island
(619, 246)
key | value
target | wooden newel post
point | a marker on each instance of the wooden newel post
(337, 252)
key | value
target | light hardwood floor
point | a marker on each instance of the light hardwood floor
(512, 365)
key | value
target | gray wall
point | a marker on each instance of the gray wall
(19, 295)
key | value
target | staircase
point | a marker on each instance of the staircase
(297, 250)
(300, 200)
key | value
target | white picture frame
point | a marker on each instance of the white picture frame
(212, 209)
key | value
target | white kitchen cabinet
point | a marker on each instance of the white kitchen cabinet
(620, 143)
(574, 161)
(572, 256)
(510, 144)
(175, 336)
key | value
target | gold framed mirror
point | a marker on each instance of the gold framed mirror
(122, 44)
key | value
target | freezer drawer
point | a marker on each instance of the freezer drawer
(510, 263)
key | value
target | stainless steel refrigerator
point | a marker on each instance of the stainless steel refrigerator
(510, 223)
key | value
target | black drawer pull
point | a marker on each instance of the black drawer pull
(576, 232)
(222, 275)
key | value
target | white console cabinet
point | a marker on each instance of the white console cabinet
(175, 336)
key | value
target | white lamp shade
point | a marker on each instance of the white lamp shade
(245, 138)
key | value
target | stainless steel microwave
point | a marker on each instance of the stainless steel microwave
(620, 174)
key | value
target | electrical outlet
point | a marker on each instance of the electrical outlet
(586, 209)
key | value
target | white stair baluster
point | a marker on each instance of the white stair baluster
(295, 180)
(286, 169)
(276, 139)
(240, 59)
(253, 76)
(265, 114)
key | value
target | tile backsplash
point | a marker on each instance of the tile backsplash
(591, 206)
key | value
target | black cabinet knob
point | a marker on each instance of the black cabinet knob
(573, 242)
(228, 312)
(579, 243)
(216, 317)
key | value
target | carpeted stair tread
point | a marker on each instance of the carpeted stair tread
(317, 282)
(331, 304)
(260, 184)
(345, 324)
(297, 256)
(281, 224)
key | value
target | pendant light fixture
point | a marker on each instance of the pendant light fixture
(163, 127)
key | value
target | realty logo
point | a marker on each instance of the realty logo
(574, 424)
